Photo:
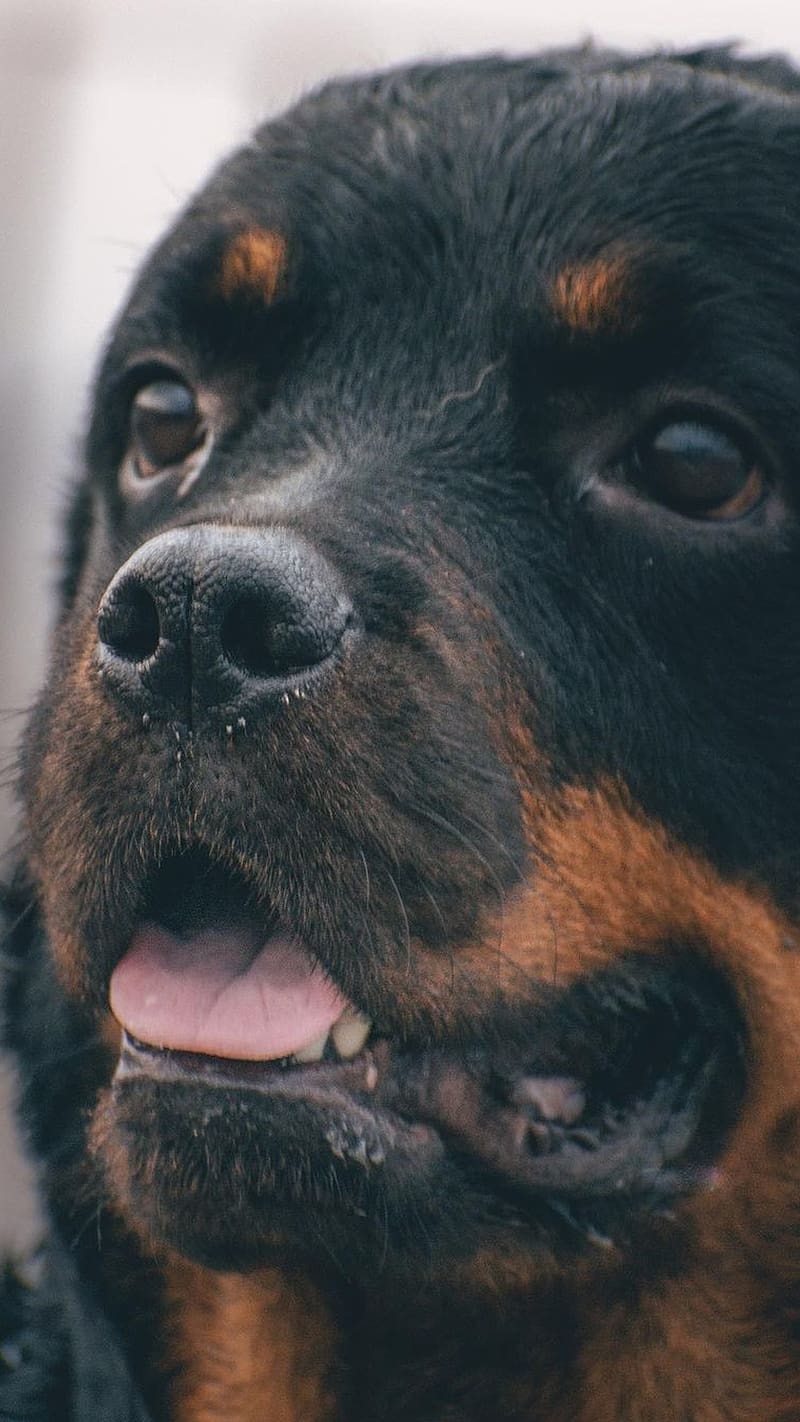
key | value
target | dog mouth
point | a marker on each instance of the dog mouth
(620, 1087)
(207, 975)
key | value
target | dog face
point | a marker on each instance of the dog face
(417, 775)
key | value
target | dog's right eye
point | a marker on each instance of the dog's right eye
(697, 469)
(166, 427)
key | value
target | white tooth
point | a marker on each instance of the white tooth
(312, 1051)
(556, 1098)
(350, 1033)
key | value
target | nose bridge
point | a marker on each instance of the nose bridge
(212, 622)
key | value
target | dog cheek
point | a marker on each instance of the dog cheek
(81, 843)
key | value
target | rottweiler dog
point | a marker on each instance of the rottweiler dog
(404, 951)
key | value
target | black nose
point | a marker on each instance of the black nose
(215, 623)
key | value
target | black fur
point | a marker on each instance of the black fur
(413, 406)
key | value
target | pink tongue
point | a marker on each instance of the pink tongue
(218, 994)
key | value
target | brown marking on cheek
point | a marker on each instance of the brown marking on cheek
(60, 815)
(77, 826)
(461, 662)
(598, 296)
(605, 882)
(243, 1348)
(253, 264)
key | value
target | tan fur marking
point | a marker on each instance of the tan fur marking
(247, 1348)
(608, 881)
(596, 296)
(253, 265)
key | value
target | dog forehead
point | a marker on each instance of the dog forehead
(489, 178)
(399, 239)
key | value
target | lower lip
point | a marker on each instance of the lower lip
(348, 1090)
(360, 1075)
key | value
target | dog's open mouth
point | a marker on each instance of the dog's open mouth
(619, 1087)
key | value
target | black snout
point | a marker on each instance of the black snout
(218, 622)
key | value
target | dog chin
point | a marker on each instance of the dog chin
(234, 1179)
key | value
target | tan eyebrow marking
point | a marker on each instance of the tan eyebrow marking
(253, 264)
(598, 296)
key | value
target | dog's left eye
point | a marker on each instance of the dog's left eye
(696, 469)
(166, 426)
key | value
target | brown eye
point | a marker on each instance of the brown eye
(697, 470)
(166, 427)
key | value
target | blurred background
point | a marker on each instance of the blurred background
(111, 111)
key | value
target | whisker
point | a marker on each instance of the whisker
(10, 929)
(15, 713)
(93, 1218)
(498, 843)
(448, 825)
(366, 876)
(396, 888)
(366, 919)
(429, 895)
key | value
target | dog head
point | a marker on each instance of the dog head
(416, 780)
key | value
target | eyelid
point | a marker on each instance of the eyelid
(145, 370)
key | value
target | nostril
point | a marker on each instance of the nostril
(204, 623)
(268, 641)
(128, 622)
